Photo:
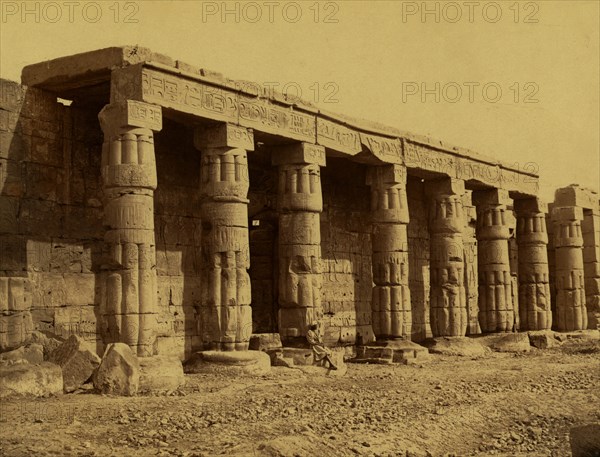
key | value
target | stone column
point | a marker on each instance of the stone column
(496, 310)
(390, 304)
(534, 284)
(470, 264)
(226, 316)
(446, 226)
(571, 313)
(128, 283)
(300, 203)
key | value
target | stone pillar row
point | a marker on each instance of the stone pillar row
(226, 315)
(300, 202)
(391, 307)
(128, 280)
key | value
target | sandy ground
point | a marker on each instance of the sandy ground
(502, 404)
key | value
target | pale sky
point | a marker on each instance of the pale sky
(372, 60)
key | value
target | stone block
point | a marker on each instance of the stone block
(119, 371)
(32, 353)
(77, 359)
(25, 379)
(456, 346)
(160, 373)
(542, 339)
(513, 342)
(230, 362)
(265, 342)
(567, 213)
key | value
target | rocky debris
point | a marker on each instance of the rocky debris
(119, 371)
(49, 343)
(78, 361)
(231, 362)
(26, 379)
(33, 353)
(456, 346)
(584, 335)
(395, 351)
(543, 339)
(160, 373)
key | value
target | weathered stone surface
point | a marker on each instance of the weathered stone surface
(119, 371)
(229, 362)
(456, 346)
(265, 342)
(585, 440)
(160, 373)
(30, 380)
(392, 351)
(78, 361)
(32, 353)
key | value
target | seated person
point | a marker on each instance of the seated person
(320, 352)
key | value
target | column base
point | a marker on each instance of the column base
(233, 363)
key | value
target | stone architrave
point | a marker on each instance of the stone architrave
(226, 315)
(300, 203)
(571, 313)
(496, 309)
(448, 296)
(390, 305)
(534, 283)
(128, 285)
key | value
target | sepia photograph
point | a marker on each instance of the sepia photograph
(301, 228)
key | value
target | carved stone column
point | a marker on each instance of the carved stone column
(226, 316)
(391, 307)
(571, 312)
(128, 283)
(300, 203)
(446, 226)
(534, 284)
(496, 310)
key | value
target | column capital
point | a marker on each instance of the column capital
(299, 153)
(492, 197)
(130, 113)
(530, 205)
(378, 176)
(224, 136)
(445, 187)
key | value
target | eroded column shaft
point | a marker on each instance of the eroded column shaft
(446, 225)
(571, 313)
(496, 309)
(300, 202)
(390, 304)
(535, 311)
(128, 283)
(226, 315)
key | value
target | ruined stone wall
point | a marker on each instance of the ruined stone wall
(50, 216)
(346, 253)
(418, 258)
(178, 235)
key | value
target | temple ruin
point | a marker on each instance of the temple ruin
(168, 208)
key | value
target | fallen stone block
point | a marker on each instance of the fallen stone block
(25, 379)
(230, 362)
(78, 361)
(542, 339)
(512, 342)
(456, 346)
(160, 373)
(119, 371)
(33, 353)
(394, 351)
(48, 343)
(265, 342)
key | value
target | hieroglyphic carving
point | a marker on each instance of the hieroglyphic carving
(391, 306)
(571, 312)
(385, 149)
(226, 315)
(470, 265)
(128, 285)
(446, 224)
(496, 309)
(300, 204)
(338, 137)
(426, 158)
(534, 282)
